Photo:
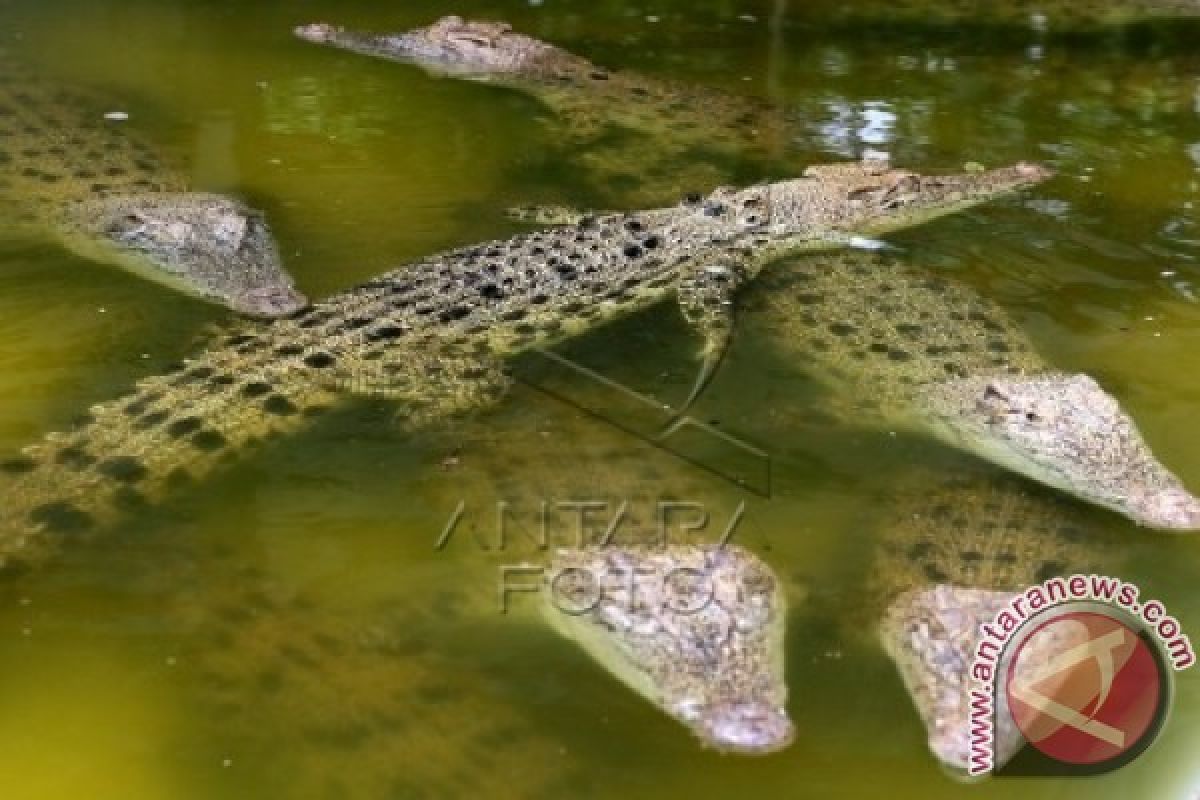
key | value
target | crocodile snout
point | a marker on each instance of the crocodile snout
(272, 301)
(755, 728)
(319, 32)
(1168, 509)
(1034, 172)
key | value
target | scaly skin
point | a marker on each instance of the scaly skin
(432, 335)
(643, 524)
(586, 98)
(70, 175)
(948, 561)
(291, 675)
(317, 702)
(907, 349)
(696, 630)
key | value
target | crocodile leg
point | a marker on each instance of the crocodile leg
(706, 300)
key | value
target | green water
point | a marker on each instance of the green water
(177, 658)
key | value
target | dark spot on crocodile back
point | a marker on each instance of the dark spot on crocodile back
(934, 573)
(184, 427)
(208, 441)
(842, 329)
(125, 469)
(319, 360)
(151, 420)
(75, 457)
(61, 517)
(279, 405)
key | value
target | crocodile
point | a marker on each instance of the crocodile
(289, 671)
(902, 348)
(433, 335)
(951, 555)
(688, 127)
(71, 174)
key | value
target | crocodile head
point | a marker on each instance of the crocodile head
(932, 634)
(871, 198)
(463, 48)
(202, 244)
(1067, 432)
(697, 630)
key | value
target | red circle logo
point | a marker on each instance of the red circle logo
(1084, 688)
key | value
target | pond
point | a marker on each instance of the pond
(290, 627)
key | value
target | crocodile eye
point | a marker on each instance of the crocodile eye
(479, 41)
(124, 225)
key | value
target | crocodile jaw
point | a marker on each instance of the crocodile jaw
(1066, 432)
(710, 654)
(931, 636)
(871, 198)
(473, 49)
(925, 198)
(757, 728)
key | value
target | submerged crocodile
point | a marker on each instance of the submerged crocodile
(586, 98)
(425, 683)
(433, 335)
(70, 174)
(952, 555)
(901, 348)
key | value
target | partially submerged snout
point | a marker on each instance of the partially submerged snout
(931, 636)
(1173, 508)
(317, 32)
(697, 630)
(900, 198)
(202, 244)
(270, 301)
(452, 45)
(747, 728)
(871, 197)
(1067, 432)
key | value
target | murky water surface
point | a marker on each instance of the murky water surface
(288, 629)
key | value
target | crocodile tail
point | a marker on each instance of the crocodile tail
(134, 450)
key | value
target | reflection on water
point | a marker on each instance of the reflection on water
(289, 630)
